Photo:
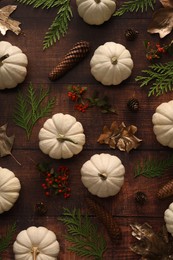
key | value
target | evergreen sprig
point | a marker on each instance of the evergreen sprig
(135, 6)
(83, 234)
(60, 24)
(161, 77)
(29, 108)
(6, 239)
(151, 168)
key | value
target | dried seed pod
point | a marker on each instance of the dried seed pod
(166, 190)
(133, 104)
(106, 218)
(140, 197)
(131, 34)
(72, 58)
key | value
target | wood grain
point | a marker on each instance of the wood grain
(34, 24)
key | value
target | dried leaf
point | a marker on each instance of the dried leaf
(162, 22)
(151, 245)
(167, 3)
(120, 136)
(6, 143)
(7, 23)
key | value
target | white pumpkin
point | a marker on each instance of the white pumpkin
(13, 63)
(96, 12)
(168, 217)
(163, 123)
(9, 189)
(103, 175)
(111, 63)
(61, 136)
(36, 243)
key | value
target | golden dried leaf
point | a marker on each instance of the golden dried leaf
(120, 136)
(6, 143)
(167, 3)
(151, 245)
(7, 23)
(162, 22)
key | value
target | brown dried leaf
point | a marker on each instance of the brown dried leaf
(152, 246)
(7, 23)
(162, 22)
(167, 3)
(120, 136)
(6, 143)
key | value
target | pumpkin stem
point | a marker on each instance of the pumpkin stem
(97, 1)
(62, 138)
(114, 60)
(35, 252)
(103, 176)
(4, 57)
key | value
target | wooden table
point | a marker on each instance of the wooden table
(34, 24)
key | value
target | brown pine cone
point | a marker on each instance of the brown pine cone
(73, 57)
(166, 190)
(106, 218)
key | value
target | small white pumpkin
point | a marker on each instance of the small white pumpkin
(61, 136)
(13, 63)
(111, 63)
(36, 243)
(168, 217)
(103, 175)
(96, 12)
(9, 189)
(163, 123)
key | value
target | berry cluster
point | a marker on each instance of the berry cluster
(154, 51)
(56, 181)
(75, 93)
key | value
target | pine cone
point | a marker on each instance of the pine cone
(73, 57)
(133, 104)
(166, 190)
(106, 218)
(131, 34)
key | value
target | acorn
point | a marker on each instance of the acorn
(131, 34)
(133, 104)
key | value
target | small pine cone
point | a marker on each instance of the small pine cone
(40, 208)
(72, 58)
(106, 218)
(131, 34)
(133, 104)
(166, 190)
(140, 197)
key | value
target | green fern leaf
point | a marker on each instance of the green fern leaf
(153, 168)
(59, 26)
(84, 236)
(160, 76)
(6, 240)
(135, 6)
(29, 108)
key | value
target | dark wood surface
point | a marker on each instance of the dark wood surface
(34, 24)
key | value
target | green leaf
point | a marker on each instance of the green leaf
(160, 76)
(29, 108)
(135, 6)
(83, 234)
(153, 168)
(6, 240)
(60, 24)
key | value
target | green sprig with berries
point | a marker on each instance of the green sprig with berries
(155, 51)
(56, 181)
(76, 94)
